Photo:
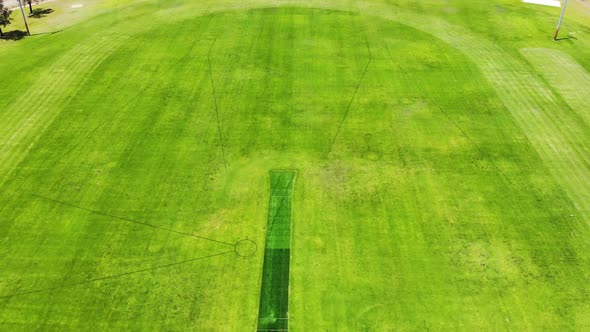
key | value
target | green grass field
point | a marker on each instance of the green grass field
(442, 153)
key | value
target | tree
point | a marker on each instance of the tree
(4, 16)
(30, 3)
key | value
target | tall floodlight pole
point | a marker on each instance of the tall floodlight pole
(24, 17)
(558, 24)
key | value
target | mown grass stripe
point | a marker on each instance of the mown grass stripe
(274, 290)
(27, 118)
(565, 75)
(556, 135)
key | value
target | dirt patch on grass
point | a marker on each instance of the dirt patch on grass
(586, 4)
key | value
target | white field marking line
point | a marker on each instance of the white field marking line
(552, 3)
(78, 5)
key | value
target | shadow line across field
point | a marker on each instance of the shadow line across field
(130, 220)
(115, 276)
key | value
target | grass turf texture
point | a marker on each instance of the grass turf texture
(273, 313)
(442, 167)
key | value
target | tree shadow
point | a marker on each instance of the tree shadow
(40, 12)
(14, 35)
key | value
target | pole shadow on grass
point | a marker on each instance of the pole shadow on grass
(46, 33)
(40, 12)
(568, 37)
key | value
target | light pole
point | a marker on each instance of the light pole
(24, 17)
(558, 24)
